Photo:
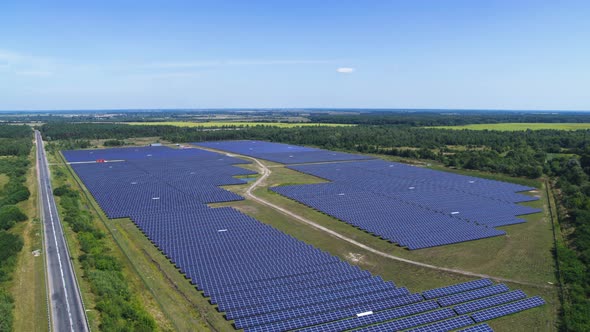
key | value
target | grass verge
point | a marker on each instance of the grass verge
(28, 286)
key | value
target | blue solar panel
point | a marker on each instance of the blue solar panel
(472, 295)
(458, 288)
(281, 153)
(317, 298)
(508, 309)
(373, 318)
(478, 328)
(411, 321)
(314, 319)
(489, 302)
(318, 308)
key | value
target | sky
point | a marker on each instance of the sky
(115, 54)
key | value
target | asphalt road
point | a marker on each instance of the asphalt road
(66, 308)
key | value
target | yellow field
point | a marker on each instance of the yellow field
(520, 126)
(217, 124)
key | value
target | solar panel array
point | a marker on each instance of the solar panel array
(122, 188)
(281, 153)
(134, 153)
(508, 309)
(261, 278)
(411, 206)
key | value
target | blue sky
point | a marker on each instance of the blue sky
(357, 54)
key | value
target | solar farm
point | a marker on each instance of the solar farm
(262, 279)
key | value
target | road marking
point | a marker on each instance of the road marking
(63, 281)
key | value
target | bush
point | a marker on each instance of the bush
(9, 215)
(10, 245)
(114, 142)
(6, 306)
(65, 191)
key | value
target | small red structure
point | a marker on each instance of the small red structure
(100, 160)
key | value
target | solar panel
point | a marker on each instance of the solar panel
(372, 318)
(449, 290)
(314, 319)
(472, 295)
(489, 302)
(411, 321)
(281, 153)
(507, 309)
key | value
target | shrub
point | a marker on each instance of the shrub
(9, 215)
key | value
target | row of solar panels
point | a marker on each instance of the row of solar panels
(411, 206)
(281, 153)
(263, 279)
(135, 153)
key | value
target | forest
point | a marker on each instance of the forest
(14, 166)
(15, 140)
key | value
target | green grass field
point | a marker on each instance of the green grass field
(519, 126)
(217, 124)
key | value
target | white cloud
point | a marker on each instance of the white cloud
(345, 70)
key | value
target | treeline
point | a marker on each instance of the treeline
(446, 118)
(574, 257)
(519, 153)
(15, 140)
(346, 138)
(12, 192)
(119, 309)
(86, 131)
